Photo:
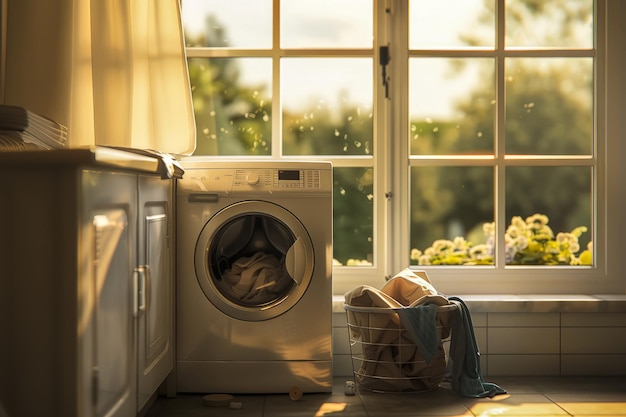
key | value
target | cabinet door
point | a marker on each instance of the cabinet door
(155, 285)
(106, 296)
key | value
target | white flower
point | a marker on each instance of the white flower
(517, 222)
(480, 252)
(517, 243)
(489, 229)
(568, 241)
(424, 260)
(358, 262)
(443, 246)
(537, 220)
(460, 244)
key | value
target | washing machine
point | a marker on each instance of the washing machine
(254, 277)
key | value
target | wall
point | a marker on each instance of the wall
(545, 337)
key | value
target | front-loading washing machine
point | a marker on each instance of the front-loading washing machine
(254, 277)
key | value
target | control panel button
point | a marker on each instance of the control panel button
(252, 178)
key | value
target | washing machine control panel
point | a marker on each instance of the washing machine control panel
(226, 181)
(297, 178)
(276, 178)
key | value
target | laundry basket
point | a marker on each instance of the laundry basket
(385, 355)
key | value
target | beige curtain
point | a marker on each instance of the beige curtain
(113, 71)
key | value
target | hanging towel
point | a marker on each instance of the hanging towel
(421, 323)
(464, 362)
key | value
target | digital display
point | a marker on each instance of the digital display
(289, 175)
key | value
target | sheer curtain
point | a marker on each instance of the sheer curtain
(113, 71)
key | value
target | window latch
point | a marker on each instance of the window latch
(384, 58)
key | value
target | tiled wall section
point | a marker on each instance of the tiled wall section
(533, 343)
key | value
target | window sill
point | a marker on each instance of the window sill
(537, 303)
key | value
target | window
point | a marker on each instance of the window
(489, 113)
(501, 133)
(295, 79)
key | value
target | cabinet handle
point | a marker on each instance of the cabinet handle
(140, 289)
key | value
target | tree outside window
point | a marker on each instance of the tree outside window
(475, 105)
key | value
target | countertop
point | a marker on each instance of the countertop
(128, 159)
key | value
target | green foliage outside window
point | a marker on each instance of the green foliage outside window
(548, 113)
(527, 242)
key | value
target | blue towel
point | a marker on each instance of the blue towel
(421, 323)
(465, 374)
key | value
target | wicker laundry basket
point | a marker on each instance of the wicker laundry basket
(385, 355)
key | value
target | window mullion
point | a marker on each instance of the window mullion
(277, 118)
(398, 173)
(500, 149)
(602, 173)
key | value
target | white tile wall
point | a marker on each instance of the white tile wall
(586, 365)
(593, 319)
(522, 365)
(481, 339)
(523, 320)
(523, 340)
(593, 340)
(534, 344)
(342, 364)
(593, 344)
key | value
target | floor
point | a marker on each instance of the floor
(527, 396)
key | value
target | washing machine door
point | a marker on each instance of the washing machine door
(254, 260)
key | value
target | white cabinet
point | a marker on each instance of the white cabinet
(155, 309)
(86, 288)
(106, 283)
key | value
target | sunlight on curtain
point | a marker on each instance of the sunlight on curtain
(114, 72)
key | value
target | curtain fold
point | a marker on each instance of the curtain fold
(113, 71)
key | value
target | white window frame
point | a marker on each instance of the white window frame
(604, 276)
(348, 276)
(391, 162)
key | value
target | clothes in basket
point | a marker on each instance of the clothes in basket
(400, 331)
(397, 337)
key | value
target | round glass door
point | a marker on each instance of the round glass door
(254, 260)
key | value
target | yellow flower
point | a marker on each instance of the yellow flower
(586, 258)
(527, 241)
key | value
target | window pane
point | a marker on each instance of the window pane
(451, 24)
(326, 24)
(549, 23)
(353, 207)
(327, 106)
(449, 209)
(231, 24)
(548, 200)
(451, 105)
(232, 105)
(549, 106)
